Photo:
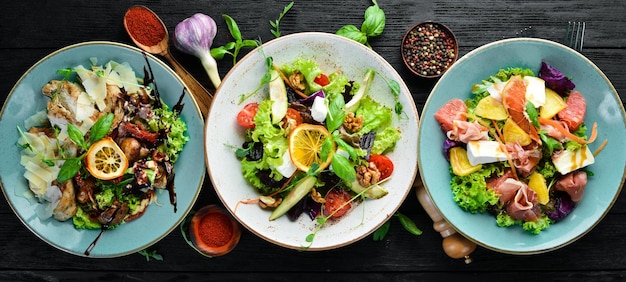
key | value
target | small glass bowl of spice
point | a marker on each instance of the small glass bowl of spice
(429, 49)
(213, 232)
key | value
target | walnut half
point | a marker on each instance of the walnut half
(367, 175)
(269, 202)
(353, 123)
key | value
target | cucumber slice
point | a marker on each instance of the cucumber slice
(278, 94)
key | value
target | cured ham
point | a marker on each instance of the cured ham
(502, 185)
(574, 114)
(455, 109)
(573, 184)
(524, 158)
(465, 131)
(524, 205)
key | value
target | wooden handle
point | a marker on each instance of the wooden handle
(202, 96)
(454, 245)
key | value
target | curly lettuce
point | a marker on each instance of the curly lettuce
(166, 120)
(470, 192)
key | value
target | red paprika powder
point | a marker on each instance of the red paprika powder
(213, 232)
(215, 229)
(144, 26)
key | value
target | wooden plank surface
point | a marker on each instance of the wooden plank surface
(32, 29)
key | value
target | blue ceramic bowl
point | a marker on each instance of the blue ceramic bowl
(603, 106)
(26, 99)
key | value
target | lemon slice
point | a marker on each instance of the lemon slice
(305, 146)
(105, 160)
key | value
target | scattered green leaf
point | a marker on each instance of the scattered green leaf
(150, 255)
(276, 23)
(373, 25)
(382, 231)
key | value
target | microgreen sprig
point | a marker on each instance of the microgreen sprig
(30, 147)
(235, 46)
(276, 23)
(407, 223)
(394, 86)
(150, 254)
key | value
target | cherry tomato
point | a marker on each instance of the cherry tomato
(334, 200)
(384, 165)
(292, 118)
(322, 80)
(245, 117)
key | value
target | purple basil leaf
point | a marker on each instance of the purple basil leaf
(555, 79)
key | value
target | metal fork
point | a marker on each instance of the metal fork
(575, 35)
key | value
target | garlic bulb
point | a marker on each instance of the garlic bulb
(194, 36)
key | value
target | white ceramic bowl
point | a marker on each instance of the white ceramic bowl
(222, 133)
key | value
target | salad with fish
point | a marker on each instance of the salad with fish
(519, 148)
(317, 143)
(103, 147)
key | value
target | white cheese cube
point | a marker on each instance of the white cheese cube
(482, 152)
(535, 91)
(287, 168)
(319, 110)
(568, 161)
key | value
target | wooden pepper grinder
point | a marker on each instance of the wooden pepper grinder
(454, 244)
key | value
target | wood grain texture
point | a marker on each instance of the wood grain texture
(32, 29)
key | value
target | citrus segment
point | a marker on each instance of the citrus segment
(105, 160)
(305, 146)
(513, 133)
(491, 108)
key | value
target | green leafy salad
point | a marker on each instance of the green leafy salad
(518, 148)
(317, 143)
(102, 147)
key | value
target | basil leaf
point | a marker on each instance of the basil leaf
(532, 114)
(336, 114)
(69, 169)
(352, 32)
(382, 231)
(101, 127)
(346, 147)
(327, 146)
(374, 23)
(550, 142)
(408, 224)
(343, 168)
(76, 136)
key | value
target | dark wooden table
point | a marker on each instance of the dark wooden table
(29, 30)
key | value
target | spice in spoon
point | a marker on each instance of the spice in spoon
(144, 26)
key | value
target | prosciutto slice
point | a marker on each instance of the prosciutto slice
(465, 131)
(524, 204)
(524, 158)
(505, 186)
(573, 184)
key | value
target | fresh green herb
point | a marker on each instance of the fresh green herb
(394, 86)
(533, 114)
(336, 113)
(235, 46)
(274, 24)
(66, 73)
(407, 223)
(28, 146)
(382, 231)
(100, 129)
(551, 143)
(150, 255)
(373, 25)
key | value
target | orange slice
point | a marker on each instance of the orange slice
(105, 160)
(305, 146)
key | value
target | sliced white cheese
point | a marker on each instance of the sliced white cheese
(319, 110)
(535, 90)
(286, 168)
(568, 161)
(84, 107)
(94, 85)
(482, 152)
(495, 90)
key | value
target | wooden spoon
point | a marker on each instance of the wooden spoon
(202, 96)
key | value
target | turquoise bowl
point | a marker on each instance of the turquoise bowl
(603, 106)
(160, 219)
